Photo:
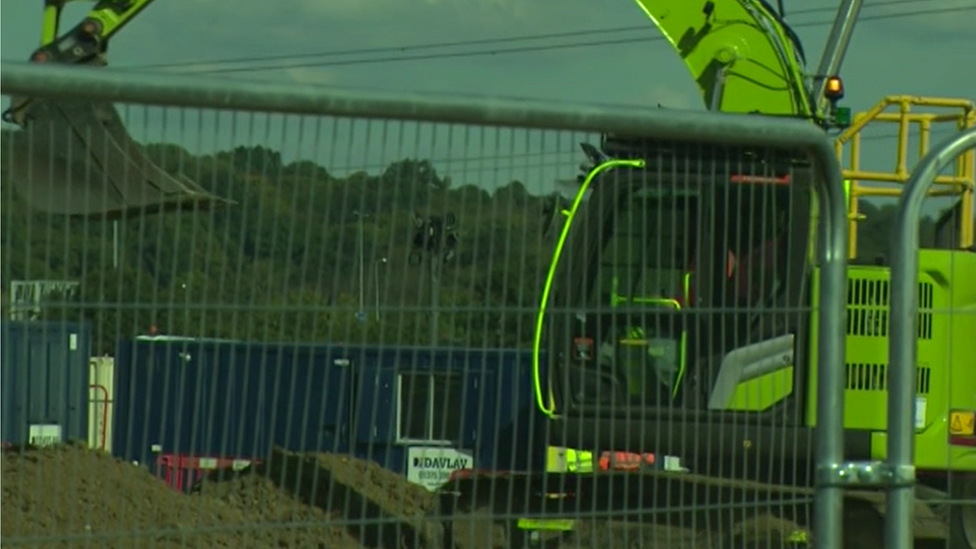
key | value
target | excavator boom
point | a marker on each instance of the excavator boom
(741, 54)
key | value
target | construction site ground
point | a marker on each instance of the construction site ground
(70, 496)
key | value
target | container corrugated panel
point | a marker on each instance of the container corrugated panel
(44, 382)
(227, 399)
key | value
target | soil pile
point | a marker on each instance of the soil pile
(70, 496)
(376, 506)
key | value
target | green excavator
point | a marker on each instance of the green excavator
(677, 316)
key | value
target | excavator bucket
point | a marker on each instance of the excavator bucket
(76, 158)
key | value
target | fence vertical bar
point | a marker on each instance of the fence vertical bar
(832, 236)
(902, 343)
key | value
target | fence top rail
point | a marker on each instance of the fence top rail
(196, 91)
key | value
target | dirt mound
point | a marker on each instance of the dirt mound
(374, 505)
(277, 518)
(69, 496)
(390, 491)
(69, 492)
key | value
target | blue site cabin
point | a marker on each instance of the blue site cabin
(417, 411)
(44, 382)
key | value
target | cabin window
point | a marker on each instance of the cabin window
(429, 406)
(648, 251)
(653, 236)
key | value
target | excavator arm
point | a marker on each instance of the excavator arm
(741, 53)
(89, 37)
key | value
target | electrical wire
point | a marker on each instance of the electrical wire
(503, 40)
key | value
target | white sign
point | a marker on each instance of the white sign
(44, 435)
(27, 297)
(920, 405)
(431, 467)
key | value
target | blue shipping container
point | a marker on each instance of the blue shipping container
(226, 399)
(45, 374)
(235, 399)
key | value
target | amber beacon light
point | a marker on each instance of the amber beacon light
(834, 90)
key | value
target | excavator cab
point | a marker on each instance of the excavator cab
(75, 157)
(671, 289)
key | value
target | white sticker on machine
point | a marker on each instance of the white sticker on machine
(920, 404)
(431, 467)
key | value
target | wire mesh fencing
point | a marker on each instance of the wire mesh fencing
(293, 318)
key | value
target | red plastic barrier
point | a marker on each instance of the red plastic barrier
(626, 461)
(181, 472)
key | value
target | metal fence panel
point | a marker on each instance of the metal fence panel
(355, 319)
(903, 357)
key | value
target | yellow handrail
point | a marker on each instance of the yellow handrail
(864, 183)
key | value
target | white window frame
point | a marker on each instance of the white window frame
(429, 440)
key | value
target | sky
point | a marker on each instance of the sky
(917, 54)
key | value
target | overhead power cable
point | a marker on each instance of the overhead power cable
(206, 66)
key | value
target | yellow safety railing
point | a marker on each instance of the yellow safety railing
(897, 110)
